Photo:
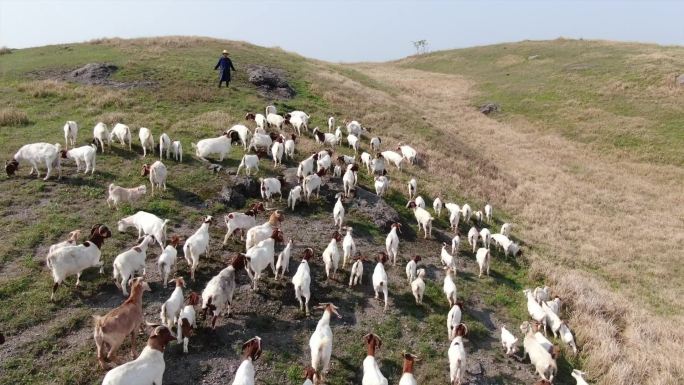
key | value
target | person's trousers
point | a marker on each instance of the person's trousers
(227, 83)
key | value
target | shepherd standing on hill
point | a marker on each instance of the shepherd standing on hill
(224, 66)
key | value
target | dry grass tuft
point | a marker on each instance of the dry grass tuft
(209, 122)
(111, 118)
(13, 117)
(45, 88)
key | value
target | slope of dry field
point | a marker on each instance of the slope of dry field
(607, 230)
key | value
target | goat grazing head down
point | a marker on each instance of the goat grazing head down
(239, 262)
(193, 299)
(145, 170)
(252, 348)
(461, 330)
(309, 373)
(11, 167)
(250, 116)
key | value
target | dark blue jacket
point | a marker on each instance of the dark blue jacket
(224, 65)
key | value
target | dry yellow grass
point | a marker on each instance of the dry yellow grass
(44, 88)
(13, 117)
(605, 232)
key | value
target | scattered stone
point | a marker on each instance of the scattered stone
(489, 108)
(532, 57)
(679, 80)
(375, 208)
(92, 73)
(271, 82)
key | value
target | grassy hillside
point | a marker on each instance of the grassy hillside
(619, 97)
(586, 158)
(50, 342)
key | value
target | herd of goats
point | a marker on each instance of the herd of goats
(71, 257)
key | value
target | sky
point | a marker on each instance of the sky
(343, 31)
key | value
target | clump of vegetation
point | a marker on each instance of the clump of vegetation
(13, 117)
(5, 50)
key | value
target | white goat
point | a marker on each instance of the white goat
(418, 286)
(380, 281)
(148, 368)
(146, 223)
(534, 309)
(277, 152)
(312, 183)
(448, 260)
(100, 135)
(331, 256)
(164, 146)
(356, 274)
(172, 307)
(251, 350)
(283, 262)
(85, 154)
(275, 120)
(219, 145)
(508, 341)
(294, 196)
(412, 188)
(392, 242)
(70, 133)
(118, 194)
(348, 247)
(302, 281)
(354, 142)
(167, 259)
(488, 211)
(259, 119)
(70, 260)
(331, 123)
(381, 185)
(71, 241)
(249, 163)
(157, 173)
(483, 258)
(290, 147)
(371, 372)
(454, 319)
(187, 321)
(567, 337)
(196, 245)
(146, 140)
(486, 237)
(306, 166)
(473, 235)
(423, 218)
(269, 188)
(540, 357)
(375, 143)
(393, 157)
(129, 262)
(449, 287)
(261, 256)
(121, 132)
(218, 294)
(411, 267)
(321, 342)
(467, 212)
(455, 243)
(506, 229)
(454, 215)
(34, 154)
(437, 205)
(241, 133)
(177, 148)
(457, 356)
(349, 179)
(407, 152)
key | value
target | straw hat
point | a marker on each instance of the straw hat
(225, 52)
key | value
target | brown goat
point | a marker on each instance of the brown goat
(112, 328)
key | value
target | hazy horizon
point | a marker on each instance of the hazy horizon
(343, 31)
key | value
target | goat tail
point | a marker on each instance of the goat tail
(48, 261)
(163, 313)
